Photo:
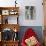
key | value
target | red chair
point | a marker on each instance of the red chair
(29, 33)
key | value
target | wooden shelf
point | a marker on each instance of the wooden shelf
(9, 43)
(11, 26)
(4, 13)
(5, 8)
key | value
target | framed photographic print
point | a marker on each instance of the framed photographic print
(5, 12)
(13, 12)
(30, 12)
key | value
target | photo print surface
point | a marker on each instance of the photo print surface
(30, 12)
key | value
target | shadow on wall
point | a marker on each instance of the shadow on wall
(37, 29)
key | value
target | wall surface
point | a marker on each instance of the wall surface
(38, 21)
(39, 13)
(37, 29)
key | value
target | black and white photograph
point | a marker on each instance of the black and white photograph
(30, 12)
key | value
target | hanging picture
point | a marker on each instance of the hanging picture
(5, 12)
(30, 12)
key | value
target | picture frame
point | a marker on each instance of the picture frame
(13, 12)
(30, 12)
(5, 12)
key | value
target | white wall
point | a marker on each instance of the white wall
(39, 13)
(22, 3)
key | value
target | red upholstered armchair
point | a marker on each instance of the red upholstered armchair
(30, 38)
